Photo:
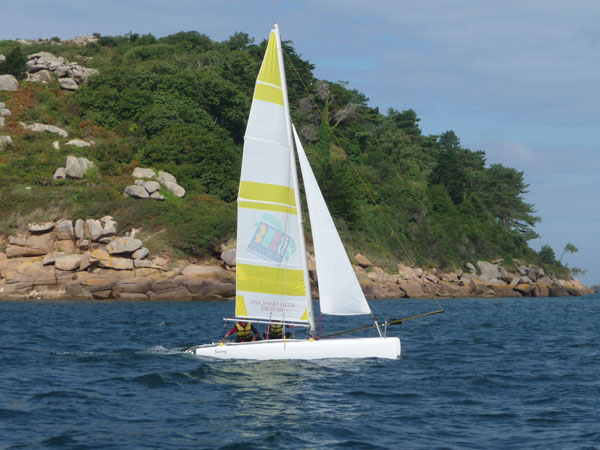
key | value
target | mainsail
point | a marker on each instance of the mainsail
(272, 280)
(339, 290)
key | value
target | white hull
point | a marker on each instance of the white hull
(388, 348)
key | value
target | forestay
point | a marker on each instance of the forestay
(339, 290)
(271, 266)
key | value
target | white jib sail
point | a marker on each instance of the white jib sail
(339, 290)
(271, 278)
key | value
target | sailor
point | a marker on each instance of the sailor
(246, 332)
(275, 331)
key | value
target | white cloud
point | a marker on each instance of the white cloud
(509, 153)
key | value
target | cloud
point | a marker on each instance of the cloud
(509, 153)
(540, 57)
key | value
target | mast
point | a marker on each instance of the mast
(311, 316)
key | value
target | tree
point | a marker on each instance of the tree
(199, 152)
(339, 190)
(547, 255)
(569, 248)
(14, 64)
(501, 190)
(575, 271)
(449, 140)
(454, 167)
(407, 120)
(238, 41)
(449, 173)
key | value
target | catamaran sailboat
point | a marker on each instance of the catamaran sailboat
(272, 281)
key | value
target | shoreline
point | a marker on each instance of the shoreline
(86, 259)
(117, 300)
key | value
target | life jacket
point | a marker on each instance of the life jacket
(244, 333)
(275, 331)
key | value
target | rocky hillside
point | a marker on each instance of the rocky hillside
(147, 133)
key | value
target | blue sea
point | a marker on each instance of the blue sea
(489, 373)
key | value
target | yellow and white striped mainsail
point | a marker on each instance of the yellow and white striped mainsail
(272, 280)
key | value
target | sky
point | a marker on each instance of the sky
(517, 79)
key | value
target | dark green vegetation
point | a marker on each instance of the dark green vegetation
(14, 63)
(180, 104)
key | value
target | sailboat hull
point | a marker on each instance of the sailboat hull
(388, 348)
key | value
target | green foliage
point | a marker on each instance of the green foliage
(91, 175)
(197, 153)
(576, 271)
(339, 191)
(199, 228)
(14, 64)
(569, 248)
(547, 255)
(238, 41)
(180, 103)
(324, 146)
(405, 120)
(160, 90)
(190, 41)
(501, 190)
(455, 167)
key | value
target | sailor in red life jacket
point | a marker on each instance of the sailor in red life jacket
(245, 332)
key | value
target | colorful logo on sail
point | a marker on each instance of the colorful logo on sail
(270, 243)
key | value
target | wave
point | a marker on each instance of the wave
(160, 350)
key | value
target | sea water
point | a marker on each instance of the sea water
(489, 373)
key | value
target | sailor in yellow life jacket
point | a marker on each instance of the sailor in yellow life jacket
(246, 332)
(275, 331)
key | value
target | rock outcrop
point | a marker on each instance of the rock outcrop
(228, 257)
(5, 141)
(136, 191)
(42, 65)
(34, 245)
(75, 168)
(8, 83)
(105, 266)
(362, 260)
(40, 127)
(145, 187)
(87, 259)
(140, 172)
(80, 41)
(38, 228)
(171, 183)
(78, 143)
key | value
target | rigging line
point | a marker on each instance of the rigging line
(387, 323)
(362, 182)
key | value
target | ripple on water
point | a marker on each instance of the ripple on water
(58, 395)
(59, 440)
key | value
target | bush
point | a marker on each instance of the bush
(547, 255)
(201, 152)
(14, 64)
